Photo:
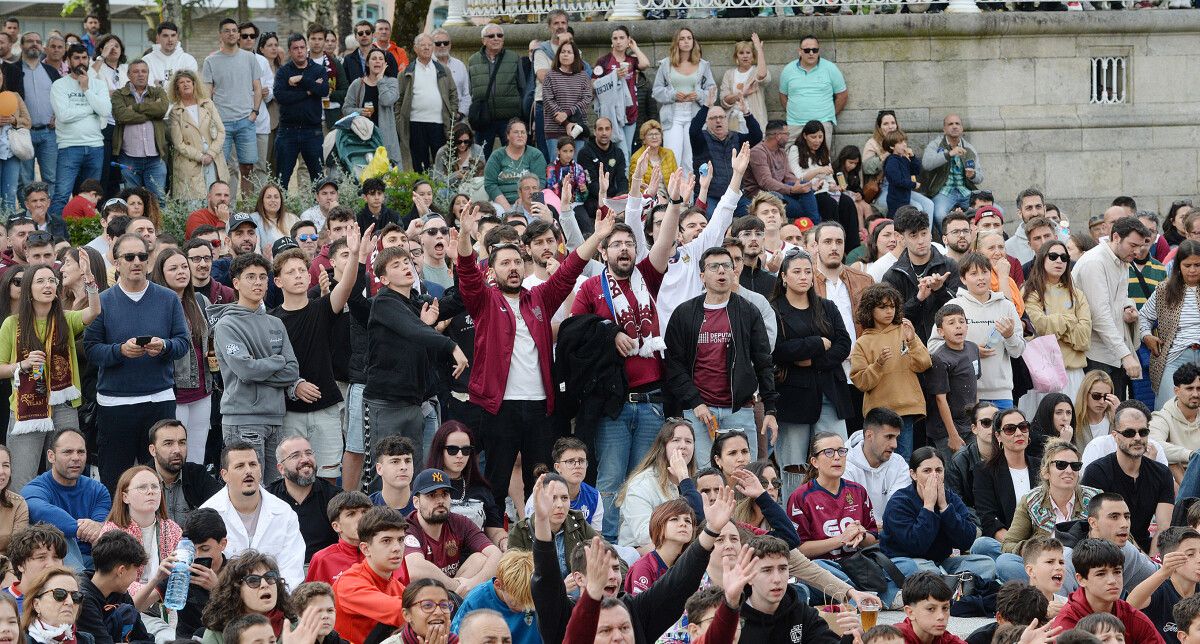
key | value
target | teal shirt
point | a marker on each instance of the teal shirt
(810, 93)
(502, 173)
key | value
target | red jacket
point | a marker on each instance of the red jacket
(364, 600)
(910, 636)
(1138, 628)
(496, 327)
(329, 563)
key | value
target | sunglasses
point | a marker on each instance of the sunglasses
(494, 36)
(362, 33)
(254, 581)
(1062, 465)
(464, 141)
(1140, 433)
(811, 50)
(61, 594)
(308, 238)
(1009, 430)
(1097, 395)
(141, 257)
(1058, 257)
(442, 43)
(455, 450)
(437, 231)
(985, 422)
(772, 483)
(249, 36)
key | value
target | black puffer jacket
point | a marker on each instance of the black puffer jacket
(401, 350)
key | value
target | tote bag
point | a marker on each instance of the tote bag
(1044, 360)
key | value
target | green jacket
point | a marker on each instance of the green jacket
(127, 111)
(505, 101)
(576, 531)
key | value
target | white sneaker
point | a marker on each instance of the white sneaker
(898, 601)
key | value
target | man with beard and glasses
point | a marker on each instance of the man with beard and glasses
(510, 379)
(1145, 483)
(257, 521)
(305, 493)
(626, 293)
(956, 235)
(186, 485)
(443, 545)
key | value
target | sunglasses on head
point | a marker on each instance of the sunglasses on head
(454, 450)
(1062, 465)
(308, 237)
(254, 581)
(61, 594)
(141, 257)
(1058, 257)
(1011, 428)
(1130, 433)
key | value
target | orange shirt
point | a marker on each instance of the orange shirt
(364, 599)
(397, 52)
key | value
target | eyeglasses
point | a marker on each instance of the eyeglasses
(442, 43)
(362, 33)
(147, 488)
(830, 452)
(961, 232)
(308, 238)
(1130, 433)
(1012, 429)
(1062, 465)
(811, 50)
(307, 453)
(1058, 257)
(1097, 395)
(575, 462)
(718, 266)
(200, 259)
(254, 581)
(618, 245)
(416, 252)
(756, 234)
(455, 450)
(61, 594)
(429, 605)
(984, 422)
(42, 281)
(443, 230)
(141, 257)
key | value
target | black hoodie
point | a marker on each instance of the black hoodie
(903, 277)
(793, 622)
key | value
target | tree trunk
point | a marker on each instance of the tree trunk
(345, 19)
(243, 11)
(409, 21)
(100, 9)
(288, 21)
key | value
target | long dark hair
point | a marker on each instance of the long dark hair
(191, 310)
(1172, 289)
(225, 601)
(6, 279)
(853, 177)
(28, 339)
(809, 158)
(99, 267)
(1041, 428)
(275, 220)
(816, 303)
(4, 500)
(873, 237)
(997, 458)
(1035, 284)
(436, 459)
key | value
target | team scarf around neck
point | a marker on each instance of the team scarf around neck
(33, 411)
(640, 323)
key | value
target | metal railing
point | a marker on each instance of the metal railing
(460, 11)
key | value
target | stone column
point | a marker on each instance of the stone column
(624, 10)
(454, 14)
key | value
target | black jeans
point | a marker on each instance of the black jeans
(124, 438)
(1119, 377)
(521, 426)
(486, 136)
(424, 139)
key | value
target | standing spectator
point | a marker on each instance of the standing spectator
(1168, 321)
(91, 34)
(306, 493)
(508, 165)
(197, 137)
(200, 254)
(135, 341)
(602, 150)
(109, 69)
(234, 78)
(265, 122)
(627, 60)
(1056, 306)
(258, 365)
(462, 81)
(382, 92)
(14, 511)
(335, 77)
(272, 54)
(812, 89)
(10, 166)
(747, 78)
(383, 40)
(713, 143)
(299, 87)
(428, 105)
(657, 157)
(683, 83)
(140, 138)
(31, 79)
(566, 96)
(167, 57)
(952, 169)
(925, 278)
(356, 64)
(80, 111)
(494, 86)
(1103, 276)
(56, 53)
(65, 498)
(1030, 204)
(271, 216)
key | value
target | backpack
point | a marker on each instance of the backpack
(119, 620)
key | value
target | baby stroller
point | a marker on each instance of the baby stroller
(350, 145)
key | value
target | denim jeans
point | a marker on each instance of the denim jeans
(1190, 485)
(620, 445)
(630, 131)
(1000, 404)
(293, 141)
(943, 203)
(429, 424)
(10, 173)
(144, 172)
(45, 152)
(791, 449)
(727, 418)
(835, 569)
(917, 199)
(981, 566)
(242, 133)
(904, 442)
(75, 164)
(1166, 387)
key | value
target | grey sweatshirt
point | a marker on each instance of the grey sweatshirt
(257, 364)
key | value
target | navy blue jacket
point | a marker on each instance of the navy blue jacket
(300, 106)
(909, 530)
(717, 154)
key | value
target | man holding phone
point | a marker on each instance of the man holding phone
(952, 168)
(81, 111)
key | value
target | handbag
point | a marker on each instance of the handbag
(20, 142)
(1043, 358)
(865, 572)
(479, 115)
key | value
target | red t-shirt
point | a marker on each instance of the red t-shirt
(639, 371)
(644, 572)
(460, 539)
(711, 372)
(329, 563)
(819, 514)
(79, 207)
(202, 217)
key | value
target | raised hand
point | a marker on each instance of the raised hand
(364, 245)
(599, 562)
(735, 574)
(675, 184)
(655, 181)
(429, 312)
(747, 483)
(602, 178)
(718, 512)
(741, 160)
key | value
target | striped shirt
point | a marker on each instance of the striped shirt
(1187, 332)
(1152, 273)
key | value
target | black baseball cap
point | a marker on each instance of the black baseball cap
(283, 244)
(239, 218)
(431, 480)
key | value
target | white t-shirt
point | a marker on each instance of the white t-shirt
(838, 293)
(524, 373)
(1102, 446)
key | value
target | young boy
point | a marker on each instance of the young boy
(926, 610)
(571, 461)
(901, 168)
(883, 634)
(374, 211)
(1098, 565)
(83, 204)
(949, 383)
(774, 608)
(1175, 581)
(118, 558)
(1107, 628)
(32, 550)
(317, 596)
(345, 511)
(205, 528)
(1016, 603)
(249, 629)
(1187, 618)
(394, 464)
(367, 595)
(1046, 568)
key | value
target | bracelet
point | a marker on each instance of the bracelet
(678, 201)
(709, 531)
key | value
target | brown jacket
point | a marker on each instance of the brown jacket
(856, 282)
(893, 384)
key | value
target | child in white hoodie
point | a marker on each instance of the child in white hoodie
(992, 323)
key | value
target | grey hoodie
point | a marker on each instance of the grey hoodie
(257, 364)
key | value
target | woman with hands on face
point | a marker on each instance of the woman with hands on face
(664, 474)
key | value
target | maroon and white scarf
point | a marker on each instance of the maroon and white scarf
(641, 323)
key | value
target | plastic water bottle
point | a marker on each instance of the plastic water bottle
(181, 576)
(994, 340)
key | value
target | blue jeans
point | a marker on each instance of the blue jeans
(1000, 404)
(1166, 387)
(1190, 485)
(943, 203)
(800, 205)
(835, 569)
(791, 449)
(620, 445)
(293, 141)
(981, 566)
(10, 173)
(904, 442)
(45, 152)
(144, 172)
(727, 418)
(242, 134)
(917, 199)
(75, 164)
(429, 411)
(1009, 567)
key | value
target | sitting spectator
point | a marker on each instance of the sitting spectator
(394, 465)
(453, 451)
(507, 165)
(185, 485)
(960, 475)
(52, 612)
(927, 610)
(1105, 626)
(1098, 568)
(1175, 581)
(83, 204)
(571, 462)
(344, 511)
(901, 168)
(31, 551)
(952, 168)
(63, 497)
(568, 526)
(276, 530)
(14, 511)
(315, 598)
(306, 494)
(1018, 604)
(774, 607)
(366, 594)
(444, 545)
(1186, 614)
(873, 462)
(249, 583)
(206, 530)
(672, 526)
(1108, 519)
(427, 610)
(1046, 569)
(141, 512)
(508, 593)
(664, 474)
(1005, 477)
(107, 609)
(1176, 426)
(248, 629)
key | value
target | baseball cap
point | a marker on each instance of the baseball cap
(431, 480)
(988, 211)
(283, 244)
(323, 183)
(803, 223)
(239, 218)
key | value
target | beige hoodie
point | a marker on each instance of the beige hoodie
(1178, 436)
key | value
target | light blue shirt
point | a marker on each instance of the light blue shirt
(810, 93)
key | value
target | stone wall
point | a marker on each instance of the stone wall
(1021, 82)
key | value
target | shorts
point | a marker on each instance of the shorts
(323, 429)
(242, 134)
(354, 419)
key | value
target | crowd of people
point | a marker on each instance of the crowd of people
(639, 365)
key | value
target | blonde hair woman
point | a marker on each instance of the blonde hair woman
(681, 86)
(657, 156)
(1094, 406)
(747, 78)
(198, 136)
